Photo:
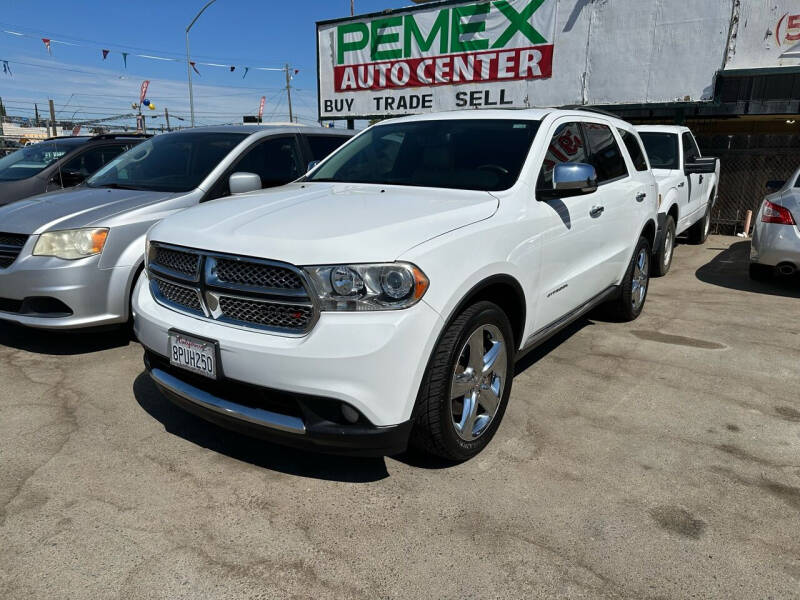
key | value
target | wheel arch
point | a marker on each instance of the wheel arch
(503, 290)
(649, 232)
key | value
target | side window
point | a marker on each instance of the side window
(604, 152)
(323, 145)
(690, 150)
(566, 146)
(634, 149)
(276, 160)
(89, 162)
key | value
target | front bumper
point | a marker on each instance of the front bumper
(774, 244)
(88, 295)
(372, 361)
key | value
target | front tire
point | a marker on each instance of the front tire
(698, 234)
(663, 257)
(635, 285)
(466, 386)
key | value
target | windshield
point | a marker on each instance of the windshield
(468, 154)
(175, 162)
(662, 149)
(32, 160)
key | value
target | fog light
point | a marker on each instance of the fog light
(349, 413)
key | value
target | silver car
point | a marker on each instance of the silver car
(70, 259)
(776, 235)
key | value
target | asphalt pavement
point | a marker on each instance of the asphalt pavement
(654, 459)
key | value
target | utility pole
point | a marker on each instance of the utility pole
(36, 115)
(189, 60)
(166, 116)
(289, 93)
(2, 116)
(53, 117)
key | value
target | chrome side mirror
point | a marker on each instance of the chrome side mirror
(574, 178)
(241, 183)
(311, 165)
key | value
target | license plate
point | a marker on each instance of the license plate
(192, 354)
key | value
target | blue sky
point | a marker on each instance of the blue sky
(267, 33)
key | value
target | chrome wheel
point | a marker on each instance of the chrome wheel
(669, 244)
(479, 378)
(641, 277)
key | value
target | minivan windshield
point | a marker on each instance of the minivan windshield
(174, 162)
(32, 160)
(465, 154)
(662, 149)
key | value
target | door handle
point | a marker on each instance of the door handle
(641, 197)
(701, 178)
(597, 211)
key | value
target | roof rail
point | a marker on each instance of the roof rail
(101, 136)
(591, 109)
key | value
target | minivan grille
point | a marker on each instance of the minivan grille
(243, 291)
(10, 246)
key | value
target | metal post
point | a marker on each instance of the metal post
(2, 116)
(189, 62)
(53, 117)
(166, 116)
(289, 93)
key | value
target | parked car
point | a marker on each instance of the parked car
(776, 235)
(58, 163)
(385, 297)
(687, 186)
(69, 259)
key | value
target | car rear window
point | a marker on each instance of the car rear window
(604, 152)
(634, 149)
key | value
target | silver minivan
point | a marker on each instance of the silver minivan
(70, 259)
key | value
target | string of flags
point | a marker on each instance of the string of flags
(105, 52)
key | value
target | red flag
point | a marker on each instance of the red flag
(105, 54)
(296, 71)
(47, 44)
(143, 90)
(261, 107)
(191, 62)
(233, 69)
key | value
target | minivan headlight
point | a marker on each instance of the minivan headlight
(71, 244)
(384, 286)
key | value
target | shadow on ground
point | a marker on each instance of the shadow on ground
(251, 450)
(61, 343)
(729, 269)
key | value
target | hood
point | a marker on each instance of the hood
(319, 223)
(75, 207)
(10, 191)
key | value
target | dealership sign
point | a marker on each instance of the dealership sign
(440, 57)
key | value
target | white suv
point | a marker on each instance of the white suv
(383, 299)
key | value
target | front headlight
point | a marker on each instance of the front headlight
(71, 244)
(388, 286)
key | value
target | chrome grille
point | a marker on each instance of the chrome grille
(10, 246)
(240, 272)
(242, 291)
(178, 295)
(187, 263)
(267, 314)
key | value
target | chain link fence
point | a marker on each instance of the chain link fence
(747, 163)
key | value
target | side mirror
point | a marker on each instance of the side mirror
(775, 185)
(69, 178)
(700, 166)
(311, 165)
(570, 179)
(241, 183)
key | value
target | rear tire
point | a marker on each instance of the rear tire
(663, 257)
(761, 272)
(465, 390)
(635, 285)
(698, 234)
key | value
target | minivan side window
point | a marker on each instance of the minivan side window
(322, 145)
(566, 146)
(634, 149)
(690, 150)
(604, 153)
(89, 162)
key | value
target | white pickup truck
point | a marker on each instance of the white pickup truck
(687, 186)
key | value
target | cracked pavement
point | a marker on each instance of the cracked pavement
(656, 459)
